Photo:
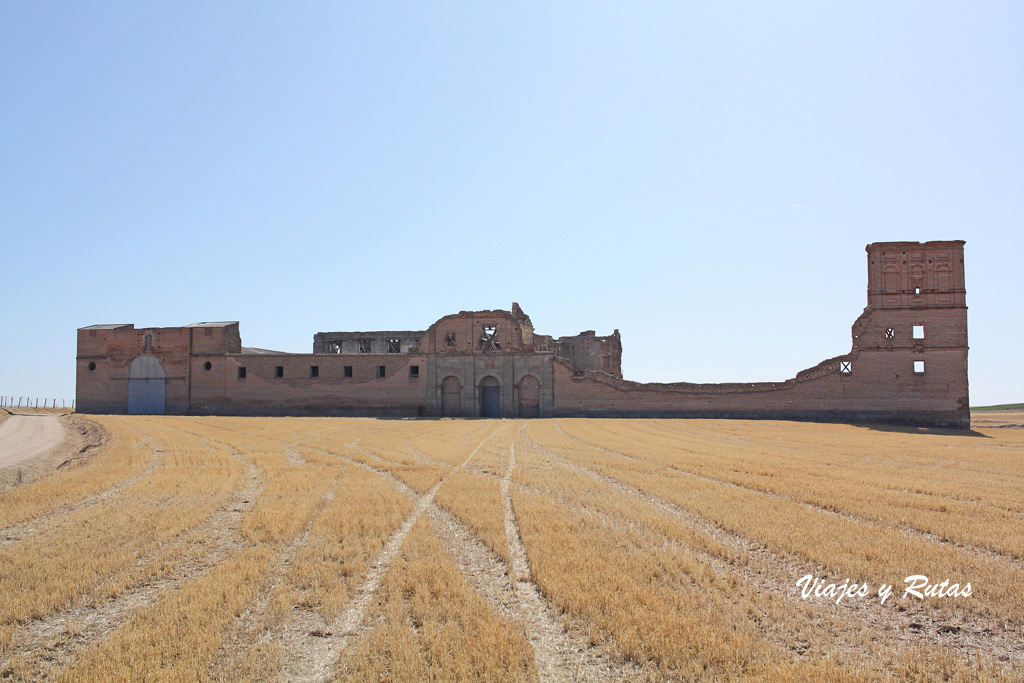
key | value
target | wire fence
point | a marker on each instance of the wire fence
(35, 402)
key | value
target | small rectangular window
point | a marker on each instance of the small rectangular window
(919, 366)
(279, 371)
(348, 371)
(380, 371)
(918, 331)
(845, 367)
(414, 372)
(394, 345)
(917, 290)
(314, 370)
(449, 340)
(890, 333)
(241, 373)
(364, 345)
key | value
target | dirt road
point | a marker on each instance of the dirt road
(23, 437)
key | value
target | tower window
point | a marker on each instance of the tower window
(845, 367)
(314, 370)
(364, 346)
(449, 340)
(918, 331)
(279, 371)
(890, 333)
(348, 371)
(92, 366)
(241, 372)
(919, 367)
(380, 371)
(207, 366)
(394, 345)
(414, 372)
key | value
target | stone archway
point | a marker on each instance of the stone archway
(451, 396)
(147, 386)
(490, 397)
(529, 397)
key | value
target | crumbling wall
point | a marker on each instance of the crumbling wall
(478, 332)
(372, 342)
(907, 363)
(588, 352)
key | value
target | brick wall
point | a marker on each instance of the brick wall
(910, 285)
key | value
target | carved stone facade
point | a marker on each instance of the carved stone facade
(907, 364)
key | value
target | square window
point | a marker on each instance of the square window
(919, 366)
(380, 371)
(348, 371)
(394, 345)
(241, 373)
(364, 346)
(918, 331)
(890, 333)
(279, 371)
(314, 370)
(845, 367)
(449, 340)
(917, 290)
(414, 372)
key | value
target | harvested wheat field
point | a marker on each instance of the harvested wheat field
(309, 549)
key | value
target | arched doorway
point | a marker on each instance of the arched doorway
(490, 397)
(529, 397)
(451, 396)
(147, 386)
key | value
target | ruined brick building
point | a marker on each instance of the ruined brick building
(907, 365)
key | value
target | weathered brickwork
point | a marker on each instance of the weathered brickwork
(907, 364)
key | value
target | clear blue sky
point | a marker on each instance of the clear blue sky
(701, 176)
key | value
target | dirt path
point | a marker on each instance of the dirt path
(319, 658)
(559, 654)
(23, 437)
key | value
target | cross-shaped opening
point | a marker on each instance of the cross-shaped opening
(890, 333)
(489, 338)
(845, 367)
